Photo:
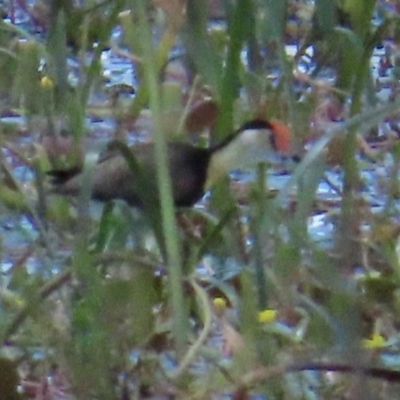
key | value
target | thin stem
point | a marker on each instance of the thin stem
(257, 218)
(349, 225)
(174, 260)
(194, 349)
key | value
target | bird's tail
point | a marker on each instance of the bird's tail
(59, 177)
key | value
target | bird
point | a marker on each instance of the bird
(193, 169)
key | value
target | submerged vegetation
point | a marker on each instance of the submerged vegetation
(270, 282)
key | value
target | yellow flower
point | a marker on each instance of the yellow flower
(219, 303)
(46, 82)
(376, 341)
(267, 316)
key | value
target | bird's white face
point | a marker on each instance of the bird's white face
(251, 146)
(257, 145)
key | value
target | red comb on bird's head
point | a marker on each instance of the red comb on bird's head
(282, 137)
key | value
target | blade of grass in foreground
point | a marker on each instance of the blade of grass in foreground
(151, 205)
(174, 260)
(239, 27)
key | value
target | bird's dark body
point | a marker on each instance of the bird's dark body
(113, 179)
(191, 168)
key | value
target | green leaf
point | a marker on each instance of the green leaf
(326, 16)
(307, 187)
(214, 231)
(57, 51)
(274, 25)
(27, 77)
(239, 23)
(361, 13)
(350, 47)
(203, 55)
(151, 205)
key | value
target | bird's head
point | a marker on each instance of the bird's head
(255, 141)
(263, 140)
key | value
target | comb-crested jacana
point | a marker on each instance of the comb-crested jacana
(193, 170)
